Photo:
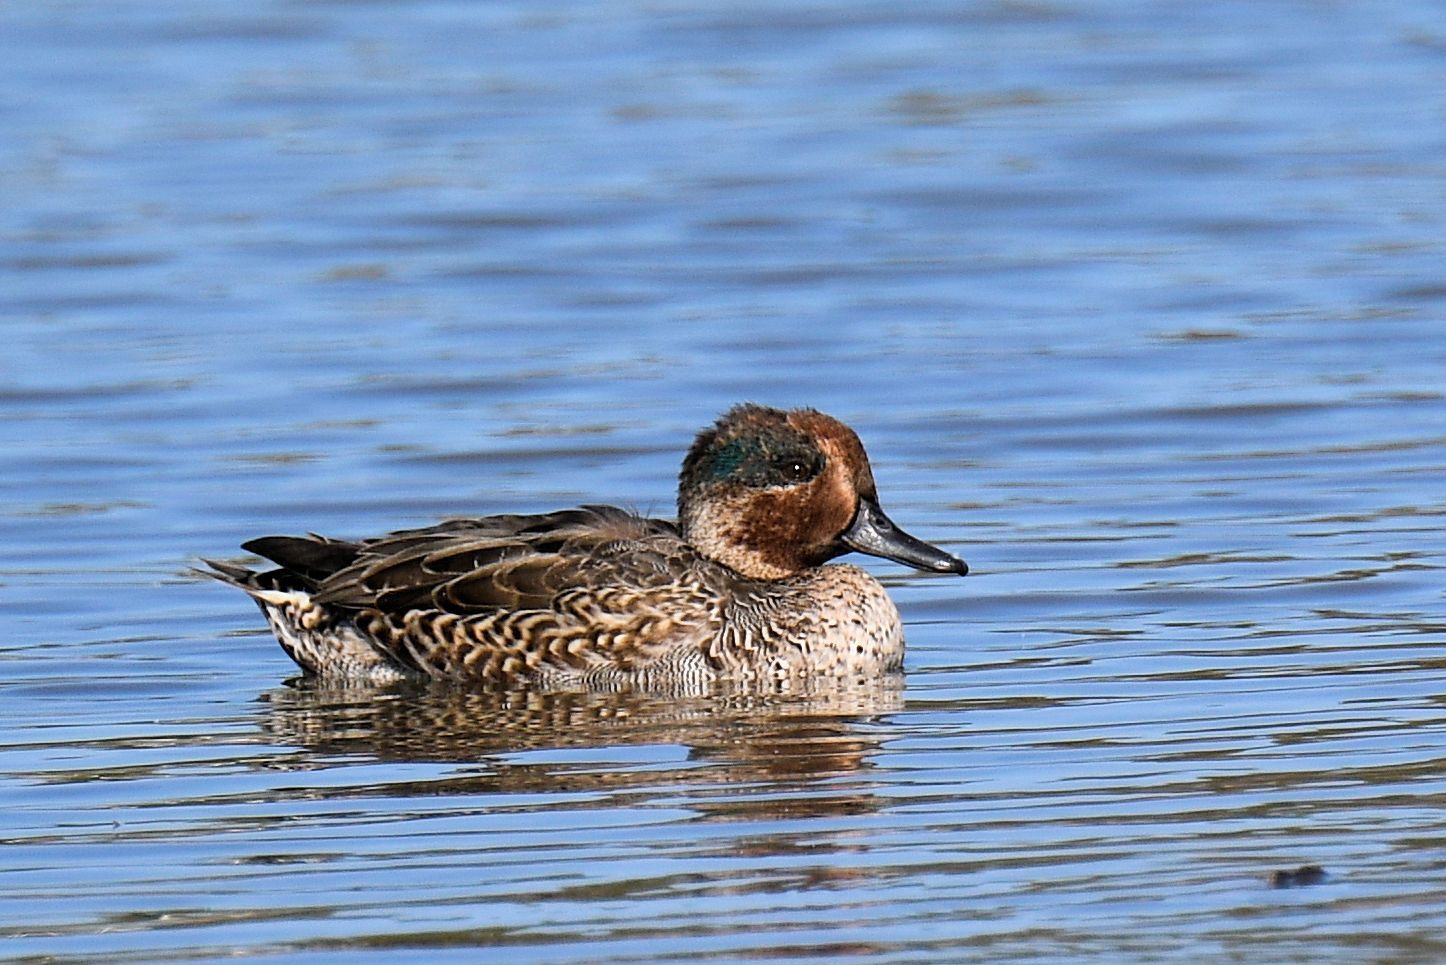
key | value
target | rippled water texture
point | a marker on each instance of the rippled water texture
(1138, 307)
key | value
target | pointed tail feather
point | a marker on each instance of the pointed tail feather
(238, 576)
(275, 587)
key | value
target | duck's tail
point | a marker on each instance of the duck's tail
(322, 641)
(268, 588)
(229, 573)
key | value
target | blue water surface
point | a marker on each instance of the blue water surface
(1137, 307)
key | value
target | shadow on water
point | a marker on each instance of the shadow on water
(742, 738)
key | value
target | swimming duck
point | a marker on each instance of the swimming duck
(736, 589)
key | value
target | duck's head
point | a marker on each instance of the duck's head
(770, 493)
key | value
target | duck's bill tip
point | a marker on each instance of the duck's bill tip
(874, 533)
(952, 564)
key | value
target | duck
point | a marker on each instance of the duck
(741, 587)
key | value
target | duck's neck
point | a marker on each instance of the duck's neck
(713, 536)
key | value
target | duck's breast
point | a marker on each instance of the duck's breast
(832, 620)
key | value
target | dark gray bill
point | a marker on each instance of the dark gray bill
(874, 533)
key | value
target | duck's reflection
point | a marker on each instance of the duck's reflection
(789, 742)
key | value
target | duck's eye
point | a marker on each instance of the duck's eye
(793, 469)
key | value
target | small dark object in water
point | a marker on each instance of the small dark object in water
(1306, 874)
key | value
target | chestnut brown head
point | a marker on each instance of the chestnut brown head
(770, 492)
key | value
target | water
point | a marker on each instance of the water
(1136, 306)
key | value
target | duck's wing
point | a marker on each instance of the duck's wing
(588, 591)
(474, 566)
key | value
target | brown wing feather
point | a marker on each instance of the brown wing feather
(311, 559)
(470, 566)
(527, 583)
